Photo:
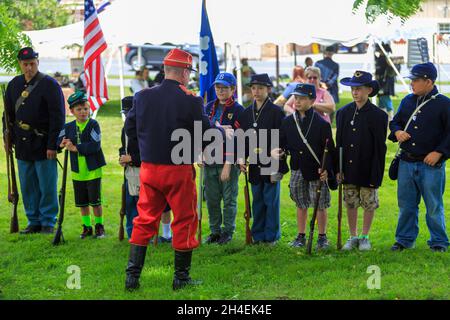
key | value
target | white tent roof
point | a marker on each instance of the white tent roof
(233, 21)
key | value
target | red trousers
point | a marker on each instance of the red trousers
(162, 184)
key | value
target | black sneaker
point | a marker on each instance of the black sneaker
(322, 243)
(31, 229)
(438, 249)
(225, 238)
(213, 238)
(398, 247)
(298, 242)
(87, 231)
(99, 231)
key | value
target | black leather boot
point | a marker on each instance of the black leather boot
(134, 267)
(182, 267)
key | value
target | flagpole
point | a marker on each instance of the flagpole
(238, 74)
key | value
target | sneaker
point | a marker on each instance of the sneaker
(298, 242)
(364, 244)
(31, 229)
(47, 230)
(99, 231)
(213, 238)
(438, 249)
(87, 231)
(397, 247)
(322, 243)
(351, 244)
(225, 238)
(162, 239)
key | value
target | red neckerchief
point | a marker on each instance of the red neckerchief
(228, 103)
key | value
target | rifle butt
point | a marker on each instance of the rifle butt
(14, 226)
(339, 235)
(59, 238)
(121, 229)
(199, 235)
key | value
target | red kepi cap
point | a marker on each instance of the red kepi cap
(178, 58)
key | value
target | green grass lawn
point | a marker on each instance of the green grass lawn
(31, 268)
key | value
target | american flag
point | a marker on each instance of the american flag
(94, 45)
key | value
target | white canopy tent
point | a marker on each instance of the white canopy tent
(235, 22)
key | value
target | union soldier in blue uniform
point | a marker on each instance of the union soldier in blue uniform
(263, 115)
(301, 132)
(35, 105)
(425, 146)
(361, 132)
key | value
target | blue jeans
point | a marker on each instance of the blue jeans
(38, 184)
(130, 209)
(266, 212)
(416, 180)
(385, 102)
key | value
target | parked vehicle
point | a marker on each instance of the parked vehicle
(153, 55)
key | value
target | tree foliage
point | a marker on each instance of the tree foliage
(391, 8)
(11, 40)
(37, 14)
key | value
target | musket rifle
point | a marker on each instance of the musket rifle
(316, 204)
(59, 237)
(247, 213)
(13, 194)
(339, 216)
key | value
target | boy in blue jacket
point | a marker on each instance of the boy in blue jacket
(82, 138)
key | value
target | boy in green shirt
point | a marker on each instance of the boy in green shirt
(82, 138)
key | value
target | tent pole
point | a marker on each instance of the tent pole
(277, 48)
(140, 57)
(225, 58)
(294, 50)
(229, 60)
(239, 74)
(109, 62)
(122, 87)
(393, 67)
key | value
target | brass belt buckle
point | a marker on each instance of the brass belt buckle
(24, 126)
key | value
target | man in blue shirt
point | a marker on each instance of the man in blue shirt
(425, 145)
(330, 72)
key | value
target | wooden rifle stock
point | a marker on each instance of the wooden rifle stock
(247, 213)
(59, 237)
(13, 194)
(316, 203)
(199, 207)
(339, 235)
(122, 209)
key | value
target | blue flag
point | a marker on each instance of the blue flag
(208, 64)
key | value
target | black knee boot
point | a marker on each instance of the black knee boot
(134, 267)
(182, 267)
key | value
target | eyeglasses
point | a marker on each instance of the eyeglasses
(313, 78)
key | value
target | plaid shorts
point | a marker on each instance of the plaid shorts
(355, 196)
(304, 192)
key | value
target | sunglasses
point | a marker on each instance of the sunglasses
(313, 78)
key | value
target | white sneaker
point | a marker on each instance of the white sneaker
(351, 244)
(364, 244)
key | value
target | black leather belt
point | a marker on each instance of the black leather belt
(25, 126)
(412, 157)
